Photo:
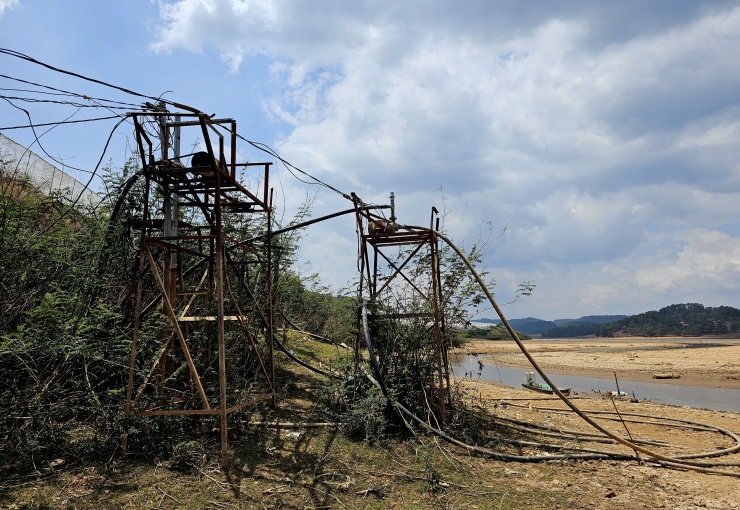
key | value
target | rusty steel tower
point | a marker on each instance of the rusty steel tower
(213, 353)
(406, 257)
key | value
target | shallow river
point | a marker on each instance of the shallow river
(722, 399)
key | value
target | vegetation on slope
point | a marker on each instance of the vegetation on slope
(690, 319)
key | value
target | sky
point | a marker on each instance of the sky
(596, 144)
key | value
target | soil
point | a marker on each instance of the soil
(321, 468)
(620, 484)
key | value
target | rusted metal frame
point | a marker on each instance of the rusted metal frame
(366, 265)
(266, 186)
(270, 299)
(137, 321)
(238, 187)
(139, 130)
(157, 362)
(257, 308)
(221, 155)
(240, 244)
(206, 123)
(219, 288)
(266, 163)
(174, 247)
(215, 168)
(242, 321)
(192, 298)
(399, 270)
(207, 412)
(203, 260)
(183, 238)
(437, 331)
(252, 402)
(172, 173)
(397, 239)
(208, 318)
(311, 222)
(173, 317)
(404, 242)
(187, 123)
(233, 187)
(238, 207)
(195, 201)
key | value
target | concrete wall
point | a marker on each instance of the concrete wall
(45, 176)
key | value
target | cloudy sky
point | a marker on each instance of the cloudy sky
(601, 138)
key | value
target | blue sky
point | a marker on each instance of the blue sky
(604, 138)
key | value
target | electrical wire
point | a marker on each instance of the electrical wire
(58, 123)
(17, 54)
(66, 103)
(63, 92)
(290, 167)
(86, 185)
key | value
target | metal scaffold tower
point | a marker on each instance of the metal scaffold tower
(415, 305)
(213, 291)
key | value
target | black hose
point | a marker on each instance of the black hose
(656, 457)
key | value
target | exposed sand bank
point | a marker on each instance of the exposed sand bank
(705, 361)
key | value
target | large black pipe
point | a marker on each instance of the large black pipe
(316, 220)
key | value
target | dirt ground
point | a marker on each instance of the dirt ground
(321, 468)
(630, 483)
(710, 362)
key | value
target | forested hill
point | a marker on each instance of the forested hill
(559, 327)
(688, 319)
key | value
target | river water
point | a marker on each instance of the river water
(722, 399)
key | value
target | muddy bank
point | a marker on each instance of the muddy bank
(709, 362)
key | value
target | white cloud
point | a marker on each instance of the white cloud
(7, 4)
(707, 259)
(588, 133)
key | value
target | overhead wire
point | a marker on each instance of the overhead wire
(58, 123)
(66, 103)
(65, 92)
(37, 137)
(22, 56)
(291, 167)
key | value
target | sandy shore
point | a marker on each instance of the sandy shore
(705, 361)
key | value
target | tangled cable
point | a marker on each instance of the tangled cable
(684, 462)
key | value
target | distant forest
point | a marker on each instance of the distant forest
(690, 319)
(559, 328)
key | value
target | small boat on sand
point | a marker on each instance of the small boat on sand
(532, 384)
